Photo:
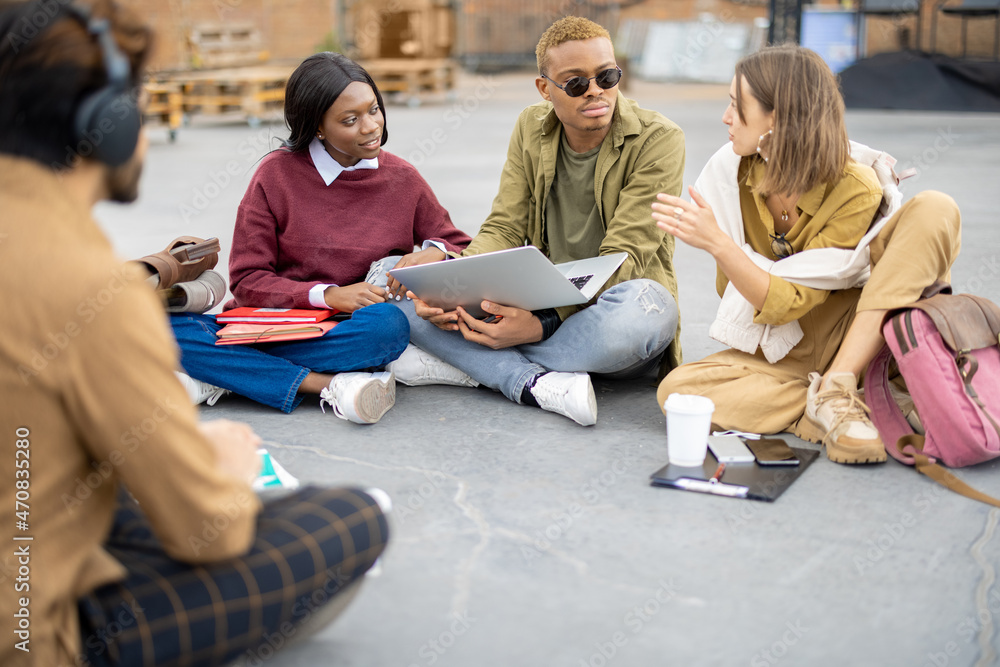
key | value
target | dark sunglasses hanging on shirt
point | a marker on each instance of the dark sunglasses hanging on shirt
(578, 85)
(780, 246)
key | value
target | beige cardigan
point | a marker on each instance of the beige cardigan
(820, 268)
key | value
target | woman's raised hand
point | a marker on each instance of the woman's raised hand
(692, 222)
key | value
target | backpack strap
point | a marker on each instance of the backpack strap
(938, 473)
(967, 367)
(888, 418)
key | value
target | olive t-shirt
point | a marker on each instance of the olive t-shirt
(573, 224)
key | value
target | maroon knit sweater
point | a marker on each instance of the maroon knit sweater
(293, 231)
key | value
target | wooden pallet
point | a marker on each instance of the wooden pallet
(164, 105)
(412, 77)
(250, 91)
(225, 45)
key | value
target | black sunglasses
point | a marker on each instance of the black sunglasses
(780, 246)
(578, 85)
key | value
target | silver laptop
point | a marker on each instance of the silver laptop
(521, 277)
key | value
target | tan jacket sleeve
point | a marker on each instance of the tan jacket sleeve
(130, 410)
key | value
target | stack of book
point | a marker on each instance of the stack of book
(246, 326)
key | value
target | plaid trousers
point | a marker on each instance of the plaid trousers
(309, 546)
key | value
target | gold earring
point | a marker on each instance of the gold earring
(762, 139)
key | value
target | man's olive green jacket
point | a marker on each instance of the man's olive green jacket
(642, 155)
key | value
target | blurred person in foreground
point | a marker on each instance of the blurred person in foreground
(187, 566)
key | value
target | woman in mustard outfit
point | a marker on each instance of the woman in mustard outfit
(812, 248)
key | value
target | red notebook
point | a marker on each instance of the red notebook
(250, 315)
(249, 334)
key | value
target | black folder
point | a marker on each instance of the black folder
(740, 480)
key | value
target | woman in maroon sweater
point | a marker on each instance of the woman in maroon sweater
(318, 213)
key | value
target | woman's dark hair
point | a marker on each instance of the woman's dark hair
(48, 63)
(313, 87)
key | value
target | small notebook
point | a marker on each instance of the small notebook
(740, 480)
(273, 474)
(272, 315)
(250, 334)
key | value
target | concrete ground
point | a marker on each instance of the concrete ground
(520, 538)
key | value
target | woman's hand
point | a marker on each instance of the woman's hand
(692, 222)
(349, 298)
(432, 254)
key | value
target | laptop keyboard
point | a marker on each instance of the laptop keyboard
(580, 281)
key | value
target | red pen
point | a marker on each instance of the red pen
(718, 474)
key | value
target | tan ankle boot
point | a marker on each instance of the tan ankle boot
(838, 418)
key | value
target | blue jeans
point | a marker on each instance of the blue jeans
(271, 373)
(620, 336)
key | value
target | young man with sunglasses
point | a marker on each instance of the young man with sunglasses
(582, 170)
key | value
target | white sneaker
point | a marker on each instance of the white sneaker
(568, 394)
(201, 392)
(417, 368)
(360, 397)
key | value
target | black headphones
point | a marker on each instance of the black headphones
(107, 121)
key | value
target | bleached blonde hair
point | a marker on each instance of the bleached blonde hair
(567, 29)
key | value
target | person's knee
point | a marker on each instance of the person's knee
(648, 307)
(386, 324)
(396, 325)
(191, 323)
(357, 508)
(677, 381)
(937, 210)
(378, 269)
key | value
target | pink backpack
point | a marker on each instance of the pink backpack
(948, 352)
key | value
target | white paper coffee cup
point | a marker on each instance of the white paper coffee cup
(689, 419)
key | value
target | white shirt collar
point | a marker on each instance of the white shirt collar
(328, 168)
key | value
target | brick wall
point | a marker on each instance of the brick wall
(293, 29)
(290, 30)
(684, 10)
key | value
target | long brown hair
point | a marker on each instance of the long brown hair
(809, 145)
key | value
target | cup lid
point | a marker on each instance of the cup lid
(689, 404)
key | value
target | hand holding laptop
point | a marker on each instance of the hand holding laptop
(512, 326)
(432, 254)
(505, 326)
